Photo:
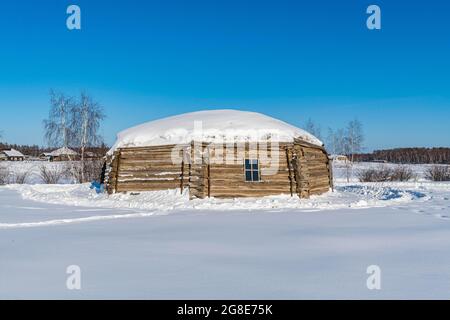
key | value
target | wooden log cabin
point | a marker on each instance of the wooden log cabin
(169, 154)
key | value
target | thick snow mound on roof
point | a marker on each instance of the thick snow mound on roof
(211, 126)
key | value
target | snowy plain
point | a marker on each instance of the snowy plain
(160, 245)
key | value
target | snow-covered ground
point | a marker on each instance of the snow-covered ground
(32, 171)
(161, 245)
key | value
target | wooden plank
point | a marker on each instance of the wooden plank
(149, 180)
(291, 182)
(153, 148)
(330, 168)
(240, 194)
(153, 172)
(319, 191)
(151, 152)
(241, 180)
(133, 188)
(240, 176)
(197, 183)
(319, 173)
(314, 162)
(137, 162)
(117, 172)
(315, 166)
(182, 177)
(319, 186)
(145, 173)
(324, 180)
(143, 182)
(224, 184)
(301, 173)
(209, 179)
(302, 143)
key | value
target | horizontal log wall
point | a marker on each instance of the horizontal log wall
(227, 176)
(147, 169)
(302, 169)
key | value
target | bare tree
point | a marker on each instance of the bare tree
(58, 126)
(336, 141)
(51, 175)
(88, 170)
(19, 177)
(438, 173)
(88, 115)
(313, 128)
(354, 138)
(4, 174)
(74, 123)
(352, 142)
(331, 141)
(382, 174)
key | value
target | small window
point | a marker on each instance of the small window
(251, 170)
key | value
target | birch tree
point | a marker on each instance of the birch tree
(58, 126)
(88, 115)
(314, 129)
(331, 141)
(352, 143)
(354, 138)
(336, 141)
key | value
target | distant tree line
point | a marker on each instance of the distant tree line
(408, 155)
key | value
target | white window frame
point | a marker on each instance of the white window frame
(252, 170)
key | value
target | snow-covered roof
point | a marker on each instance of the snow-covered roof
(216, 126)
(12, 153)
(64, 151)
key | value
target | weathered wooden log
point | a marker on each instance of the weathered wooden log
(331, 175)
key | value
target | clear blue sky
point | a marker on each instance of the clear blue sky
(293, 60)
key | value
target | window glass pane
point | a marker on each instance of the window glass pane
(251, 169)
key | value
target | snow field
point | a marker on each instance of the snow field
(160, 245)
(353, 195)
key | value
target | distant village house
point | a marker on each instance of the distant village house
(62, 154)
(11, 155)
(339, 158)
